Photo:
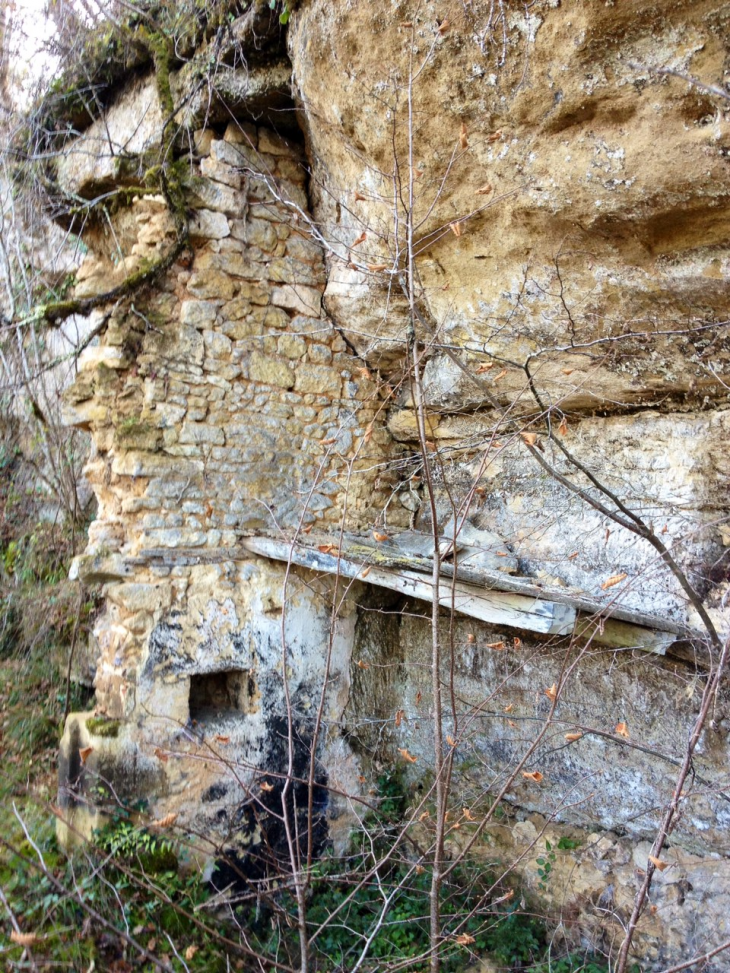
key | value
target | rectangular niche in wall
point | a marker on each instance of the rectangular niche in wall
(226, 693)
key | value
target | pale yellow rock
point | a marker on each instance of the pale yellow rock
(270, 371)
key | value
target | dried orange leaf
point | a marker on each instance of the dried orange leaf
(222, 739)
(471, 638)
(23, 938)
(399, 714)
(161, 755)
(450, 740)
(307, 529)
(508, 709)
(266, 787)
(572, 737)
(424, 816)
(463, 140)
(365, 571)
(658, 863)
(361, 239)
(169, 819)
(495, 136)
(326, 548)
(191, 951)
(464, 939)
(529, 437)
(407, 23)
(419, 697)
(517, 643)
(443, 27)
(613, 580)
(407, 756)
(511, 723)
(485, 367)
(362, 665)
(358, 196)
(622, 730)
(484, 190)
(455, 228)
(467, 814)
(376, 268)
(379, 537)
(568, 371)
(85, 753)
(573, 556)
(535, 776)
(552, 693)
(563, 427)
(497, 646)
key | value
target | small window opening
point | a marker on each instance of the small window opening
(216, 694)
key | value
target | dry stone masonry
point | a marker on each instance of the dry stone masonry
(257, 396)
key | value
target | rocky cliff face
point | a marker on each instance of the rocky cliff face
(563, 207)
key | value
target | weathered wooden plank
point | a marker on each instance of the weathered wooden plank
(495, 607)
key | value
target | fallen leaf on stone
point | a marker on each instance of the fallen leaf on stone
(85, 753)
(529, 437)
(399, 714)
(497, 646)
(358, 196)
(572, 737)
(563, 427)
(307, 529)
(165, 822)
(463, 140)
(222, 739)
(379, 537)
(511, 723)
(266, 787)
(481, 491)
(471, 638)
(568, 371)
(368, 434)
(407, 756)
(464, 939)
(502, 553)
(362, 665)
(508, 709)
(622, 730)
(455, 228)
(361, 239)
(467, 814)
(450, 740)
(424, 816)
(485, 367)
(665, 530)
(552, 693)
(572, 556)
(407, 23)
(161, 755)
(23, 938)
(362, 778)
(500, 376)
(484, 190)
(328, 441)
(376, 268)
(517, 643)
(365, 572)
(443, 26)
(613, 580)
(326, 548)
(419, 697)
(495, 136)
(535, 775)
(658, 863)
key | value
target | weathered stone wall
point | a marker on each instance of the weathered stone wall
(261, 387)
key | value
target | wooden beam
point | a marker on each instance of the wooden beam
(495, 607)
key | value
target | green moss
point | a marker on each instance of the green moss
(102, 726)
